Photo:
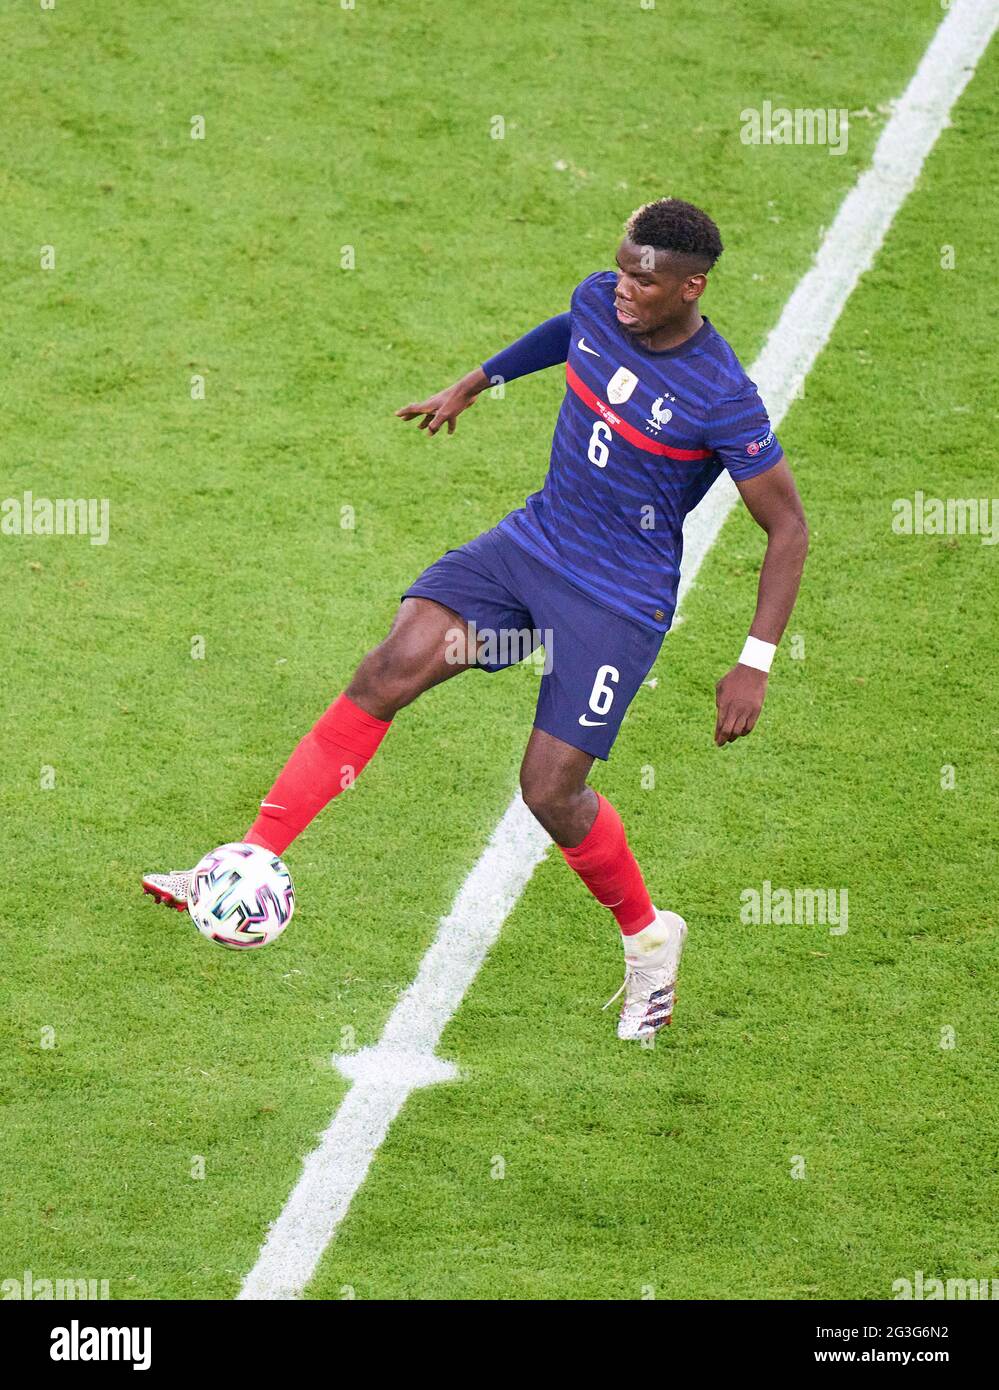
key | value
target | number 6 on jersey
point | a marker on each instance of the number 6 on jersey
(598, 451)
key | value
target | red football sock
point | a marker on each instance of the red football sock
(610, 871)
(328, 760)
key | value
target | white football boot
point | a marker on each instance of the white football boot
(169, 889)
(652, 961)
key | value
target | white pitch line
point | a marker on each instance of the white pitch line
(851, 243)
(405, 1058)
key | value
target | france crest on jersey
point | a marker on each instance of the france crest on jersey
(640, 438)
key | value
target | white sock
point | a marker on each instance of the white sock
(651, 939)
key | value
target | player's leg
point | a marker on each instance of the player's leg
(419, 652)
(431, 639)
(596, 662)
(586, 827)
(427, 644)
(553, 784)
(592, 838)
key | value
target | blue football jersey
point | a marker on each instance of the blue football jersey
(640, 438)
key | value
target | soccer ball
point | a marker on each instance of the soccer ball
(241, 896)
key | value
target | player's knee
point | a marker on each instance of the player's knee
(545, 800)
(390, 674)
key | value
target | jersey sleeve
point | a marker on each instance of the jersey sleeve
(741, 436)
(544, 346)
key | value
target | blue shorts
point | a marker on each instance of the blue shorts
(594, 659)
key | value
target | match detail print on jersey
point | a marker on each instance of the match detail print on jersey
(621, 427)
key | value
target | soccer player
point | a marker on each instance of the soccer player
(656, 406)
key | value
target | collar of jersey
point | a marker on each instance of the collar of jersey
(688, 344)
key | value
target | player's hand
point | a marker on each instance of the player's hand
(447, 405)
(739, 697)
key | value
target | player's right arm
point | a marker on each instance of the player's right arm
(544, 346)
(447, 405)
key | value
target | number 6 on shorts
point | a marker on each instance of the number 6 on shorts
(602, 696)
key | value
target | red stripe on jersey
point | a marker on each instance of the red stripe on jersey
(622, 427)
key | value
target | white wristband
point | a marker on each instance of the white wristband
(758, 654)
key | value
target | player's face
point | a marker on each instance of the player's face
(649, 294)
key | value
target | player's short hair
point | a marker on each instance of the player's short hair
(670, 224)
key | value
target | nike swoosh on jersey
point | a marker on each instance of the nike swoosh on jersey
(591, 723)
(583, 348)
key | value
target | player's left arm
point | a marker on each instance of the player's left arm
(773, 501)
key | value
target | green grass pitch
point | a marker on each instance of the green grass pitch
(272, 525)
